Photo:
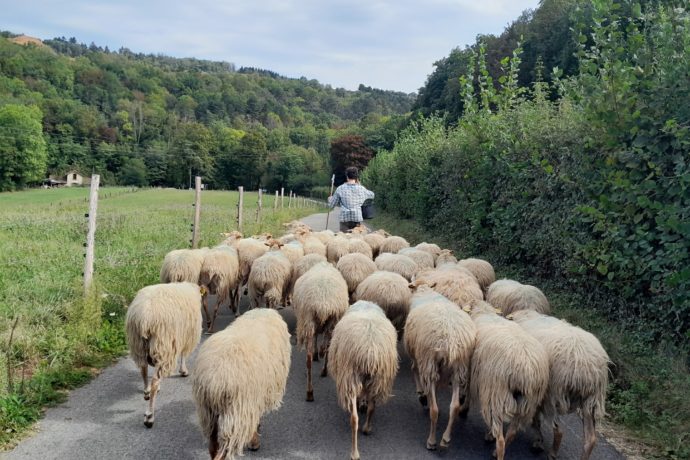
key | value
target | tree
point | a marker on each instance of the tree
(347, 151)
(22, 147)
(134, 172)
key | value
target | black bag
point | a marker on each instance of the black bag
(368, 209)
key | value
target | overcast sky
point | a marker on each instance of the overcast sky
(386, 44)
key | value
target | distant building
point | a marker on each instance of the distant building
(67, 180)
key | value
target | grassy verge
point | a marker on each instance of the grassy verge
(648, 393)
(59, 339)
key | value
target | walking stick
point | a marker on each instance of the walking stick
(331, 194)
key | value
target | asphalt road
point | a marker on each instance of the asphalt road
(104, 420)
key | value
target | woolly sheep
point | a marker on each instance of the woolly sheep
(364, 363)
(423, 259)
(389, 291)
(510, 296)
(374, 241)
(337, 247)
(440, 339)
(248, 250)
(481, 269)
(232, 238)
(293, 251)
(295, 225)
(354, 268)
(269, 278)
(356, 245)
(397, 263)
(578, 376)
(163, 322)
(320, 300)
(240, 374)
(325, 235)
(393, 244)
(431, 248)
(220, 276)
(182, 265)
(310, 243)
(509, 374)
(446, 256)
(456, 283)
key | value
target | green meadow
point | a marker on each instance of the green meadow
(52, 337)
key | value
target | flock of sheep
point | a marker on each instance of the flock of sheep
(354, 296)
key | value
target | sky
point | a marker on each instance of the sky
(384, 44)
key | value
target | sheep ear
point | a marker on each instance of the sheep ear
(267, 244)
(510, 317)
(498, 311)
(467, 309)
(433, 285)
(412, 286)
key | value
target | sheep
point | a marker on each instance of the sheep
(510, 296)
(357, 245)
(182, 265)
(440, 339)
(163, 322)
(374, 240)
(269, 278)
(578, 376)
(292, 227)
(310, 243)
(325, 236)
(509, 374)
(293, 250)
(431, 248)
(231, 238)
(364, 363)
(393, 244)
(423, 259)
(354, 268)
(481, 269)
(389, 291)
(397, 263)
(240, 373)
(337, 247)
(456, 283)
(320, 300)
(446, 256)
(220, 275)
(248, 250)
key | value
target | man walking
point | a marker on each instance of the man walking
(350, 196)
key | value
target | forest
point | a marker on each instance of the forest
(154, 120)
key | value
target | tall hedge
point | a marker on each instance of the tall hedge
(592, 189)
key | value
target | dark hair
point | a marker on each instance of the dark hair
(352, 172)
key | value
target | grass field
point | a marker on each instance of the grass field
(60, 336)
(647, 405)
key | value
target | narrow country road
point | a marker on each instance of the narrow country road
(104, 420)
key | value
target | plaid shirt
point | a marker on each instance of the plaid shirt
(350, 197)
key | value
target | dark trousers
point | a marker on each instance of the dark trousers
(347, 226)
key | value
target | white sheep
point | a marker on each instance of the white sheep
(397, 263)
(481, 269)
(431, 248)
(446, 256)
(220, 276)
(182, 265)
(423, 259)
(269, 278)
(355, 268)
(240, 374)
(374, 240)
(320, 300)
(440, 339)
(510, 296)
(248, 250)
(578, 376)
(364, 362)
(325, 236)
(393, 244)
(389, 291)
(303, 264)
(358, 245)
(337, 247)
(456, 283)
(310, 243)
(509, 374)
(163, 322)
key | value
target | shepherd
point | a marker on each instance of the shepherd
(350, 196)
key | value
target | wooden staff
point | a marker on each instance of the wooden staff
(329, 208)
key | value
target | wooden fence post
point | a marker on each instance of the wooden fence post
(258, 208)
(275, 202)
(91, 234)
(197, 212)
(290, 200)
(240, 205)
(282, 198)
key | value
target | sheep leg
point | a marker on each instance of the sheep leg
(310, 357)
(155, 383)
(590, 434)
(371, 405)
(512, 432)
(206, 315)
(323, 352)
(433, 415)
(183, 367)
(538, 443)
(145, 375)
(500, 444)
(254, 443)
(316, 349)
(354, 425)
(558, 437)
(423, 400)
(454, 411)
(213, 440)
